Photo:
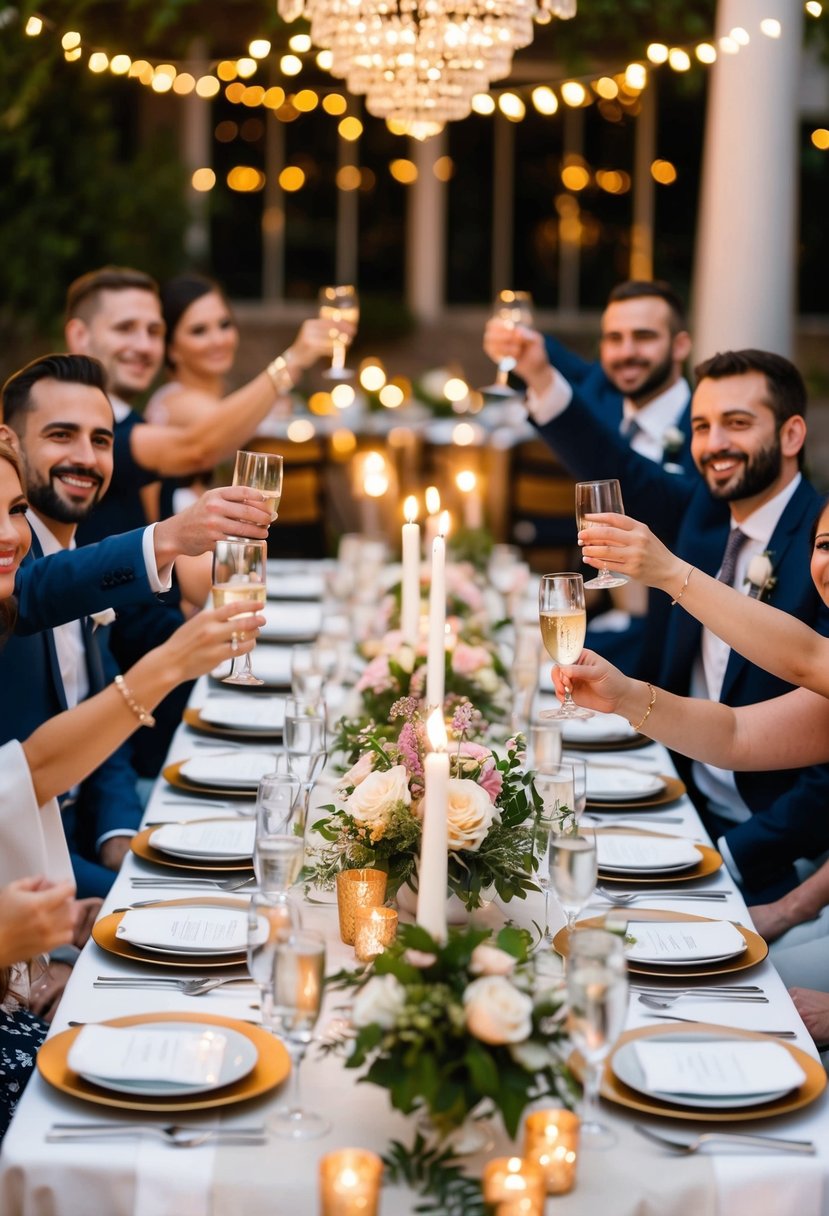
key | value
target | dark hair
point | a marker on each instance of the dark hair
(637, 289)
(82, 296)
(68, 369)
(8, 607)
(176, 297)
(787, 392)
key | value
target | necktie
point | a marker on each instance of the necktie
(736, 540)
(630, 428)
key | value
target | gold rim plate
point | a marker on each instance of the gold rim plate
(173, 776)
(196, 722)
(673, 791)
(616, 1091)
(141, 847)
(710, 861)
(104, 935)
(272, 1067)
(756, 948)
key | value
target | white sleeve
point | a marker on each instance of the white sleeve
(544, 407)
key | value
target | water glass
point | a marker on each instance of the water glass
(298, 981)
(278, 851)
(544, 744)
(573, 870)
(270, 918)
(579, 768)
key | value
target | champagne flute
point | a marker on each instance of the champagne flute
(239, 568)
(592, 498)
(338, 304)
(597, 992)
(579, 768)
(298, 980)
(306, 746)
(261, 471)
(573, 869)
(270, 918)
(278, 849)
(563, 620)
(514, 308)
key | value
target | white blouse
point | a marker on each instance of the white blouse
(32, 839)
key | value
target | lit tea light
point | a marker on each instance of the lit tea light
(374, 929)
(350, 1183)
(513, 1185)
(358, 889)
(551, 1141)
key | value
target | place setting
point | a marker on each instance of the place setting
(289, 621)
(612, 787)
(209, 845)
(225, 774)
(642, 856)
(224, 716)
(198, 931)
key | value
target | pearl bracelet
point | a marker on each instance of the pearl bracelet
(143, 715)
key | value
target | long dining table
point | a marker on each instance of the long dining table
(141, 1176)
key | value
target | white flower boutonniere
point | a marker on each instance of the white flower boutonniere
(760, 575)
(673, 442)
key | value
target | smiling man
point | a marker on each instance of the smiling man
(748, 433)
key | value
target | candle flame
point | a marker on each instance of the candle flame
(432, 500)
(443, 523)
(466, 481)
(410, 509)
(436, 730)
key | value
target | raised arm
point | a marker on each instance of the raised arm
(791, 731)
(773, 640)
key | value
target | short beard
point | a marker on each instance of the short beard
(655, 383)
(759, 473)
(44, 498)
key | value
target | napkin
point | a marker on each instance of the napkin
(129, 1053)
(229, 769)
(632, 852)
(683, 941)
(217, 839)
(245, 713)
(191, 928)
(718, 1068)
(607, 781)
(288, 621)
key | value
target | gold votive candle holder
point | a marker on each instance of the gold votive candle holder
(358, 889)
(551, 1141)
(374, 929)
(350, 1183)
(513, 1186)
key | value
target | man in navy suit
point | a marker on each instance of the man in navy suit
(748, 432)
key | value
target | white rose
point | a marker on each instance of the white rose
(469, 814)
(759, 570)
(381, 1000)
(531, 1056)
(405, 658)
(487, 679)
(374, 797)
(496, 1012)
(489, 960)
(358, 772)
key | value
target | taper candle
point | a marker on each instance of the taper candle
(410, 589)
(436, 660)
(434, 849)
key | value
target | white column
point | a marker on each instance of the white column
(644, 187)
(426, 231)
(744, 277)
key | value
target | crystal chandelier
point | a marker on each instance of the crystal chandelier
(420, 62)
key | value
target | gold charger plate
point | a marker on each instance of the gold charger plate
(196, 722)
(616, 1091)
(272, 1067)
(173, 776)
(141, 847)
(674, 789)
(710, 861)
(104, 935)
(756, 948)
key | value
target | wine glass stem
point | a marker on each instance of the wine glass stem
(590, 1100)
(338, 356)
(548, 937)
(297, 1053)
(502, 375)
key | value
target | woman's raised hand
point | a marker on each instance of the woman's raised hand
(622, 543)
(314, 341)
(595, 684)
(211, 637)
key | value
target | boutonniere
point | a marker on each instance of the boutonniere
(760, 575)
(105, 617)
(673, 442)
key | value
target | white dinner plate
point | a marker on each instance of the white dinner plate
(260, 713)
(150, 929)
(626, 1066)
(731, 944)
(603, 728)
(179, 846)
(228, 770)
(615, 783)
(288, 621)
(240, 1058)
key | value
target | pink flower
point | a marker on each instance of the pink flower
(376, 676)
(466, 659)
(391, 641)
(358, 772)
(491, 780)
(409, 750)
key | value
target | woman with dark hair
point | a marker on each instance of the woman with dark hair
(38, 913)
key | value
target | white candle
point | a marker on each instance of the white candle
(436, 657)
(467, 483)
(432, 497)
(410, 590)
(434, 849)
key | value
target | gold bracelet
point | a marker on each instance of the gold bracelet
(143, 715)
(651, 704)
(684, 585)
(280, 376)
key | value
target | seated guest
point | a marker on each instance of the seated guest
(788, 730)
(58, 416)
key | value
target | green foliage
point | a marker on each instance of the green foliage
(434, 1174)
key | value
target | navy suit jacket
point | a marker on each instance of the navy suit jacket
(596, 391)
(788, 820)
(32, 692)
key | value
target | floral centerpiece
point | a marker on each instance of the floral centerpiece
(376, 819)
(465, 598)
(445, 1028)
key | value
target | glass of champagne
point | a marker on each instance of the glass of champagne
(338, 304)
(298, 980)
(597, 992)
(261, 471)
(563, 620)
(593, 498)
(514, 308)
(573, 869)
(306, 745)
(239, 570)
(278, 849)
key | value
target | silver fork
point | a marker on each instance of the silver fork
(214, 884)
(194, 987)
(734, 1139)
(178, 1135)
(629, 897)
(673, 1017)
(667, 1000)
